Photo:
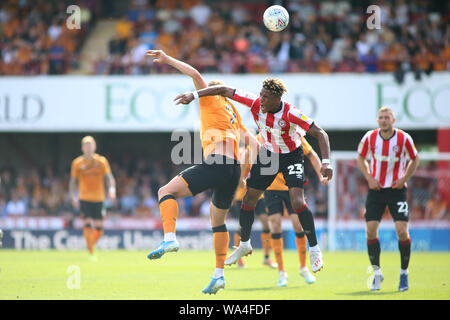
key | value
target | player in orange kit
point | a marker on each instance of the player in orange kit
(220, 133)
(90, 171)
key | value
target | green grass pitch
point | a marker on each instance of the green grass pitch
(182, 275)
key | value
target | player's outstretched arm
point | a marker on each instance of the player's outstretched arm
(186, 98)
(324, 144)
(160, 56)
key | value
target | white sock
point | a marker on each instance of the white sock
(377, 271)
(315, 248)
(218, 272)
(245, 244)
(170, 236)
(403, 271)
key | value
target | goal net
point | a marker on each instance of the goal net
(428, 200)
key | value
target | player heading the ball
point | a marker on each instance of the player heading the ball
(281, 127)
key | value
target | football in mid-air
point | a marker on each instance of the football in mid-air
(276, 18)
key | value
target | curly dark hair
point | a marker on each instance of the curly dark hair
(275, 86)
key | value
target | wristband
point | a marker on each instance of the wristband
(325, 161)
(195, 93)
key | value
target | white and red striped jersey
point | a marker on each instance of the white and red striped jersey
(279, 131)
(388, 156)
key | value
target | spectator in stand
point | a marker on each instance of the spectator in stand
(55, 30)
(16, 206)
(57, 61)
(363, 46)
(55, 197)
(389, 58)
(124, 28)
(282, 52)
(148, 36)
(436, 208)
(36, 206)
(416, 212)
(129, 201)
(2, 206)
(29, 32)
(328, 36)
(148, 205)
(6, 183)
(200, 13)
(370, 61)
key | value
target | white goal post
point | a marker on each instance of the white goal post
(336, 157)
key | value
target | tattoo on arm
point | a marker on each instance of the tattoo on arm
(73, 184)
(110, 182)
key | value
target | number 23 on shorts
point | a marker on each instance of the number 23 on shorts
(296, 169)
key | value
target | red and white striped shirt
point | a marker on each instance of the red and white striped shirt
(279, 131)
(388, 156)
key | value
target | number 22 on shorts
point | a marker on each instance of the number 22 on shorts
(403, 207)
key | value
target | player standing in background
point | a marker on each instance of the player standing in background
(90, 171)
(277, 194)
(220, 133)
(389, 149)
(278, 123)
(260, 211)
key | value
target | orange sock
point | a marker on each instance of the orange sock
(265, 239)
(277, 246)
(237, 239)
(87, 233)
(221, 242)
(96, 234)
(169, 213)
(301, 248)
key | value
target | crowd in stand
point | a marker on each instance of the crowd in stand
(322, 36)
(229, 37)
(35, 38)
(224, 37)
(44, 193)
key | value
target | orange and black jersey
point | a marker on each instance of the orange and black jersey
(90, 174)
(219, 121)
